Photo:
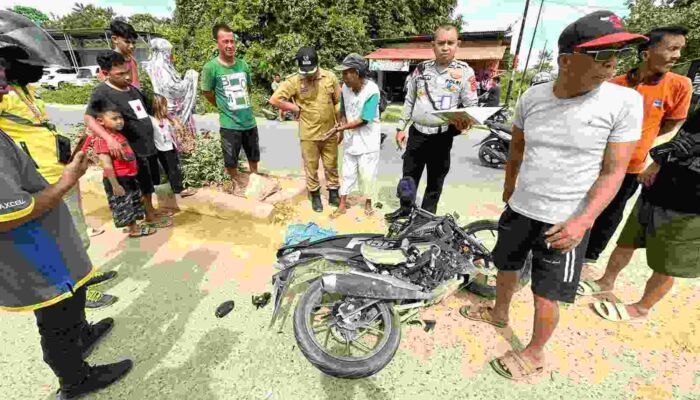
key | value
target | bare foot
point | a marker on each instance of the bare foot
(337, 213)
(534, 358)
(605, 286)
(635, 311)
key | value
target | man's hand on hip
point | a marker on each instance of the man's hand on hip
(567, 235)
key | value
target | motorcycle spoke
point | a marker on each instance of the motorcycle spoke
(320, 328)
(325, 340)
(374, 331)
(361, 346)
(347, 347)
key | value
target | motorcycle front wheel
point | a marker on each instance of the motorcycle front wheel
(351, 349)
(487, 232)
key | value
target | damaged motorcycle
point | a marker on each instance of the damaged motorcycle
(356, 290)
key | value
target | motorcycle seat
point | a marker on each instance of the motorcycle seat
(376, 255)
(502, 127)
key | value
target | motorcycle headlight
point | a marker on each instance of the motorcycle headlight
(290, 259)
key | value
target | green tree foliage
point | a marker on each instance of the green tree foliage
(148, 23)
(271, 31)
(84, 16)
(32, 13)
(544, 60)
(648, 14)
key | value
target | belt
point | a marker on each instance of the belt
(431, 130)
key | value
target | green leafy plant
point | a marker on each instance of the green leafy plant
(205, 166)
(68, 94)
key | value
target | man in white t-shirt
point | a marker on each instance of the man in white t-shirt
(359, 131)
(572, 141)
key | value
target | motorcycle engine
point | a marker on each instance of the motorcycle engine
(447, 257)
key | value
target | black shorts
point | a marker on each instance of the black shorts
(149, 173)
(231, 142)
(555, 275)
(126, 209)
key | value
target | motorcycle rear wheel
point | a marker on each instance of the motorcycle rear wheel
(317, 350)
(493, 145)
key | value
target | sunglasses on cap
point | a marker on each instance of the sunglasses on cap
(604, 55)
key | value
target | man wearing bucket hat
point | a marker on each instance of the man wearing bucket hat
(359, 131)
(44, 267)
(579, 144)
(315, 94)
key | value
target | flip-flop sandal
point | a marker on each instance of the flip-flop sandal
(92, 232)
(514, 367)
(145, 230)
(164, 212)
(188, 192)
(616, 312)
(483, 316)
(164, 222)
(589, 288)
(369, 213)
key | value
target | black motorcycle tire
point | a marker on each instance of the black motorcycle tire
(493, 144)
(333, 366)
(492, 225)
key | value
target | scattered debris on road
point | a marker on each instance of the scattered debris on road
(225, 308)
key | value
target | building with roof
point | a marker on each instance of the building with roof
(81, 46)
(395, 58)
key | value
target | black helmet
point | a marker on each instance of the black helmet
(22, 40)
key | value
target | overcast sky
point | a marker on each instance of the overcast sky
(479, 14)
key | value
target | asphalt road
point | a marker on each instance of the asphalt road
(280, 152)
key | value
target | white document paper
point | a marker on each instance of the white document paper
(477, 114)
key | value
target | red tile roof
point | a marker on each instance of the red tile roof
(463, 53)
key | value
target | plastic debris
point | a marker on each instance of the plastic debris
(225, 308)
(262, 300)
(297, 233)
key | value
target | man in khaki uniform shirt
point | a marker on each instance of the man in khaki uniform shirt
(315, 93)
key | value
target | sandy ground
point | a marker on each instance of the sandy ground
(170, 284)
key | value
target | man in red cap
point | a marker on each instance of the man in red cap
(579, 144)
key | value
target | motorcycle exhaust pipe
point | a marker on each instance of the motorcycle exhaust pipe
(358, 284)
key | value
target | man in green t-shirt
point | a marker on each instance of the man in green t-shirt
(225, 81)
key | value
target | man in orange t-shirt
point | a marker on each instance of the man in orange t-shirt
(666, 101)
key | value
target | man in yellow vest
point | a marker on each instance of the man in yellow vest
(44, 268)
(23, 117)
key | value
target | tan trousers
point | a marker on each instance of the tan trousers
(327, 151)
